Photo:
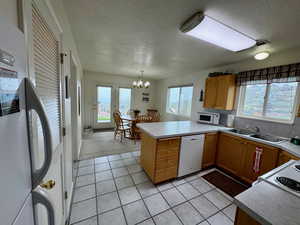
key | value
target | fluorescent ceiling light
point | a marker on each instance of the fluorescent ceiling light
(206, 28)
(262, 55)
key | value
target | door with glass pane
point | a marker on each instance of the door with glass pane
(104, 107)
(124, 100)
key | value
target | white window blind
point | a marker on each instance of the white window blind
(46, 66)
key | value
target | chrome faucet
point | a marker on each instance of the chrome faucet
(256, 129)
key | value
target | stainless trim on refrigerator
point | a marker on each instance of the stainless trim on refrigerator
(34, 103)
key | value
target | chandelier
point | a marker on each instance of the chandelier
(140, 83)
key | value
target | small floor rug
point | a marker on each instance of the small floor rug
(226, 184)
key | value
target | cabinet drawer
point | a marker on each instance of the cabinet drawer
(169, 153)
(166, 163)
(168, 143)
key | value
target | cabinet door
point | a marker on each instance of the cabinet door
(268, 162)
(210, 150)
(284, 157)
(231, 153)
(242, 218)
(210, 97)
(225, 92)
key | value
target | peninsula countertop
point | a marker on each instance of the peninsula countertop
(177, 128)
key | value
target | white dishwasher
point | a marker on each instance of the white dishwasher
(191, 152)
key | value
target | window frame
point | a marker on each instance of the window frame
(179, 100)
(241, 101)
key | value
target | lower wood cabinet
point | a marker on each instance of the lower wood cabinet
(284, 157)
(237, 155)
(160, 157)
(230, 154)
(210, 150)
(268, 160)
(243, 218)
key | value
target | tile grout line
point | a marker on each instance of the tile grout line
(145, 204)
(98, 222)
(203, 194)
(120, 201)
(170, 207)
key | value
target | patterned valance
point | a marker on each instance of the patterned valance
(277, 74)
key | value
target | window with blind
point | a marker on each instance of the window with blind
(46, 67)
(269, 93)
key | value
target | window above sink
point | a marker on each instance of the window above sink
(272, 102)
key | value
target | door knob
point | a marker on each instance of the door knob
(48, 185)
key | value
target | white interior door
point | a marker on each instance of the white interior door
(43, 37)
(67, 136)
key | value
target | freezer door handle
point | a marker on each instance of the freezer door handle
(33, 102)
(40, 197)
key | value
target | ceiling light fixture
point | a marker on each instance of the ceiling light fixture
(210, 30)
(140, 83)
(262, 55)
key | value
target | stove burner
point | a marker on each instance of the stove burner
(290, 183)
(297, 167)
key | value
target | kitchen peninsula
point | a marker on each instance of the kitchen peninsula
(160, 147)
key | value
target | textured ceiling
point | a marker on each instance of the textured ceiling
(125, 36)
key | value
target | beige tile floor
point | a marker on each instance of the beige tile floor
(114, 190)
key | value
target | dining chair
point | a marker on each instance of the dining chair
(154, 114)
(120, 129)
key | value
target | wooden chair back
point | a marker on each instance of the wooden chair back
(144, 119)
(118, 120)
(154, 114)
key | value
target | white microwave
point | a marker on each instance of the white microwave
(209, 118)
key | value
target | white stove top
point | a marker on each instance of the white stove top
(288, 170)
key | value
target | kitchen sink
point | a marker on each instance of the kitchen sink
(241, 131)
(269, 138)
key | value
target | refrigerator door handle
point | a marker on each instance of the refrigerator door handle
(40, 197)
(33, 102)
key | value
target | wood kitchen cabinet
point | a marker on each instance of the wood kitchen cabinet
(230, 154)
(243, 218)
(220, 92)
(210, 150)
(268, 162)
(236, 155)
(160, 157)
(284, 157)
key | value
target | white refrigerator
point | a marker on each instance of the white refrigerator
(19, 181)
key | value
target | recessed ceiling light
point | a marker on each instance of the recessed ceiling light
(208, 29)
(262, 55)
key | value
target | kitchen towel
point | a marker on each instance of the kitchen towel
(257, 159)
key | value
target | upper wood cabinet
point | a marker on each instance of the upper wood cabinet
(268, 160)
(231, 151)
(210, 150)
(284, 157)
(220, 92)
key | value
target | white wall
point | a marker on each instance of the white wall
(198, 79)
(92, 79)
